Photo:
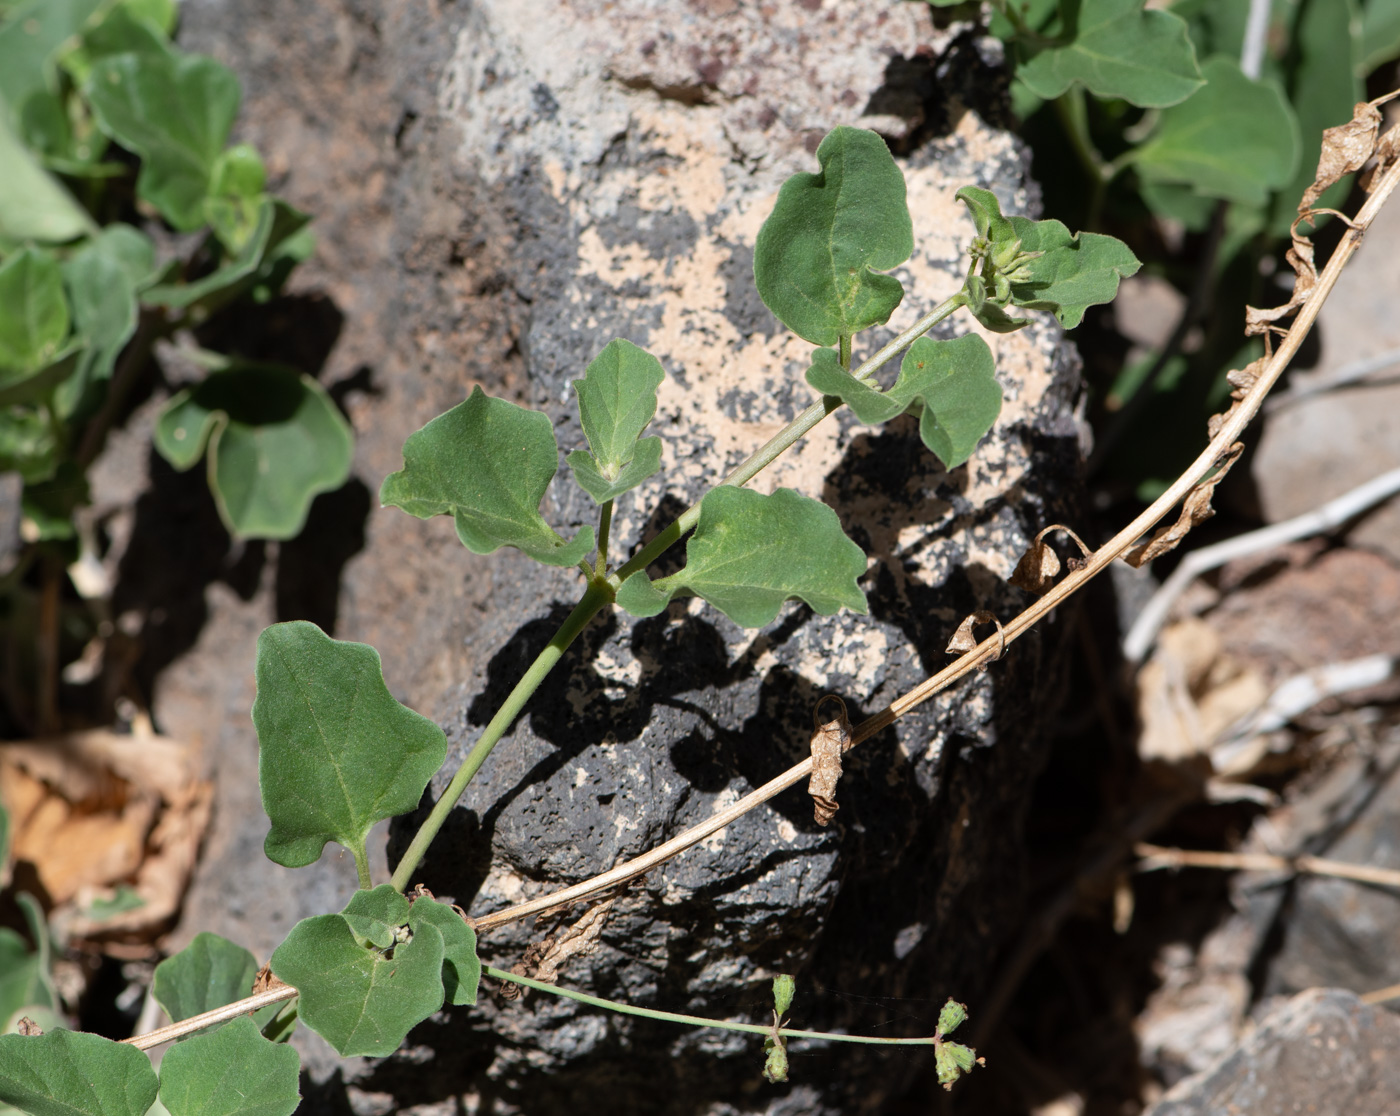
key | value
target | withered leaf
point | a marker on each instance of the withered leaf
(544, 959)
(27, 1026)
(829, 740)
(963, 640)
(1040, 565)
(1345, 149)
(1194, 509)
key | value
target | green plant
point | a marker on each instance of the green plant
(125, 217)
(1194, 127)
(339, 754)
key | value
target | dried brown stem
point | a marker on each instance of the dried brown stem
(1155, 857)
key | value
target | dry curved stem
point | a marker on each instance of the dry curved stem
(1224, 435)
(1156, 857)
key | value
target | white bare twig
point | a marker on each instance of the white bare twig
(1326, 518)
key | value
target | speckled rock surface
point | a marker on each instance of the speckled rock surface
(542, 178)
(1323, 1051)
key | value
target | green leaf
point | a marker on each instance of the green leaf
(29, 36)
(208, 973)
(1115, 49)
(277, 226)
(646, 460)
(818, 256)
(21, 979)
(338, 753)
(33, 204)
(27, 444)
(1324, 86)
(1236, 139)
(275, 440)
(985, 211)
(783, 989)
(123, 30)
(616, 400)
(1380, 33)
(461, 969)
(68, 1073)
(102, 279)
(1072, 273)
(173, 110)
(486, 463)
(34, 313)
(236, 196)
(751, 552)
(953, 381)
(360, 1000)
(1069, 274)
(232, 1072)
(374, 914)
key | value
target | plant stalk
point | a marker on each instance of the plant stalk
(595, 597)
(698, 1020)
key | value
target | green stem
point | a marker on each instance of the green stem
(604, 527)
(776, 446)
(362, 866)
(1071, 108)
(845, 351)
(595, 597)
(600, 592)
(698, 1020)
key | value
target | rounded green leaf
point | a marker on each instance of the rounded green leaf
(208, 973)
(232, 1072)
(373, 914)
(486, 463)
(817, 257)
(1116, 48)
(1235, 139)
(102, 278)
(175, 111)
(956, 383)
(461, 968)
(275, 441)
(337, 752)
(69, 1073)
(34, 314)
(361, 1000)
(751, 552)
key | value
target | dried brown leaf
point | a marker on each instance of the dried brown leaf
(1195, 509)
(963, 640)
(543, 959)
(829, 740)
(1345, 150)
(27, 1026)
(1040, 565)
